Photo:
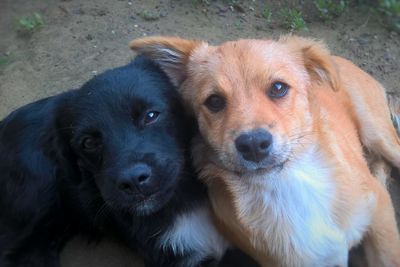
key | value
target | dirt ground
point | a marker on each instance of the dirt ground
(82, 38)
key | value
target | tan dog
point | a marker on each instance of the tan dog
(283, 125)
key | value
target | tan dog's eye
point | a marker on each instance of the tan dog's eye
(278, 90)
(215, 103)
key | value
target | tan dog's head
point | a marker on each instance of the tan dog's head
(251, 97)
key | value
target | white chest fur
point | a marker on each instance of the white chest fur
(194, 232)
(290, 214)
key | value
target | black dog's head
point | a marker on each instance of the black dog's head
(127, 131)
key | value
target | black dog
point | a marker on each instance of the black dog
(109, 156)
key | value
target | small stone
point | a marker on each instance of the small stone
(239, 8)
(163, 13)
(222, 8)
(78, 11)
(388, 56)
(89, 37)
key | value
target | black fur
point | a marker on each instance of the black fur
(62, 159)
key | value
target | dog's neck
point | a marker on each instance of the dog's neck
(298, 199)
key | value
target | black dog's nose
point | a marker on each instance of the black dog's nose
(255, 145)
(135, 178)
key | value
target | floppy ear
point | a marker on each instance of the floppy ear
(60, 145)
(170, 53)
(317, 60)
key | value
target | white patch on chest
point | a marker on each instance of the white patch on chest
(194, 231)
(295, 222)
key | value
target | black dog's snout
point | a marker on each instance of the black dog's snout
(136, 178)
(255, 145)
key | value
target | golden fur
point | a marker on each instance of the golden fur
(320, 199)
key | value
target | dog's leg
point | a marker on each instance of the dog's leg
(378, 134)
(379, 167)
(20, 249)
(382, 242)
(372, 111)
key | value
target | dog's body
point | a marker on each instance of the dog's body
(283, 125)
(109, 157)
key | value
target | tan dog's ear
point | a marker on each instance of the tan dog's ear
(317, 59)
(171, 53)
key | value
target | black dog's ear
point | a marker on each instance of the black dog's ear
(61, 136)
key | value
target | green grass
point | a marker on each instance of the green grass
(148, 15)
(293, 20)
(329, 9)
(267, 14)
(4, 60)
(30, 23)
(391, 11)
(239, 25)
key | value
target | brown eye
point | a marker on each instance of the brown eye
(278, 90)
(215, 103)
(90, 144)
(150, 117)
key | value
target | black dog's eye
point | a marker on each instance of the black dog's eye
(278, 90)
(90, 144)
(151, 116)
(215, 103)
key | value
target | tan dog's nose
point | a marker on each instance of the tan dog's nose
(255, 145)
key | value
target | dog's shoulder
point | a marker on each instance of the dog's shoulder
(24, 136)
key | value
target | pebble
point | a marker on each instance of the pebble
(163, 13)
(89, 37)
(239, 8)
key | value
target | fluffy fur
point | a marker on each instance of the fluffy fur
(313, 197)
(67, 164)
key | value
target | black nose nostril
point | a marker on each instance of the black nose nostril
(264, 145)
(125, 187)
(142, 178)
(242, 147)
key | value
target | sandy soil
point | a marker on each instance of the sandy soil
(82, 38)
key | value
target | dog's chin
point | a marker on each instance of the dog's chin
(144, 205)
(153, 204)
(248, 168)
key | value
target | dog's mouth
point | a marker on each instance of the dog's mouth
(151, 204)
(261, 169)
(142, 205)
(274, 162)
